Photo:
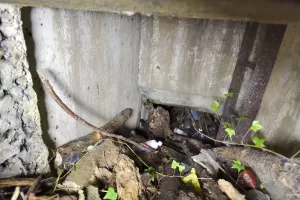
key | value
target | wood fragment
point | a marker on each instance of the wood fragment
(33, 187)
(229, 190)
(16, 182)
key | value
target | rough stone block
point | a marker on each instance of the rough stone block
(22, 150)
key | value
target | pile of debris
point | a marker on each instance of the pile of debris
(172, 156)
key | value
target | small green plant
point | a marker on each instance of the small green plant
(176, 164)
(256, 126)
(238, 165)
(229, 94)
(215, 106)
(259, 142)
(110, 194)
(181, 168)
(241, 118)
(230, 132)
(228, 125)
(151, 171)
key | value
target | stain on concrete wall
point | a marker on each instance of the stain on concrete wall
(91, 58)
(280, 108)
(188, 55)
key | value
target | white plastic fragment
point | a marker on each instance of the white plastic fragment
(153, 144)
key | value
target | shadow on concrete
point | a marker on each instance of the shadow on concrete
(77, 100)
(37, 85)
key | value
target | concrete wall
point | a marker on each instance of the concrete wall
(93, 58)
(280, 108)
(193, 57)
(92, 61)
(101, 63)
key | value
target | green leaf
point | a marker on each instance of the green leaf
(259, 142)
(175, 164)
(151, 171)
(111, 194)
(238, 165)
(215, 106)
(256, 126)
(181, 168)
(228, 125)
(229, 94)
(241, 118)
(230, 132)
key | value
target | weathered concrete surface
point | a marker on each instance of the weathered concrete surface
(22, 150)
(195, 57)
(280, 109)
(270, 11)
(96, 62)
(91, 58)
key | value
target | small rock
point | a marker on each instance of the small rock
(92, 193)
(128, 180)
(159, 122)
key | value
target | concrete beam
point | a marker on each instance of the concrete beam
(270, 11)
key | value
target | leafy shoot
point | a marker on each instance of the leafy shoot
(238, 165)
(259, 142)
(111, 194)
(215, 106)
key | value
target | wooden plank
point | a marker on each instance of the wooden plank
(270, 11)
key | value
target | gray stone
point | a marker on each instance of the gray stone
(22, 150)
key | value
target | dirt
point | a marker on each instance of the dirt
(106, 165)
(159, 122)
(128, 179)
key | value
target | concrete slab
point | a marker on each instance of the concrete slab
(280, 108)
(195, 57)
(91, 58)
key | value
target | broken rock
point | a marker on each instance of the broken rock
(128, 179)
(22, 150)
